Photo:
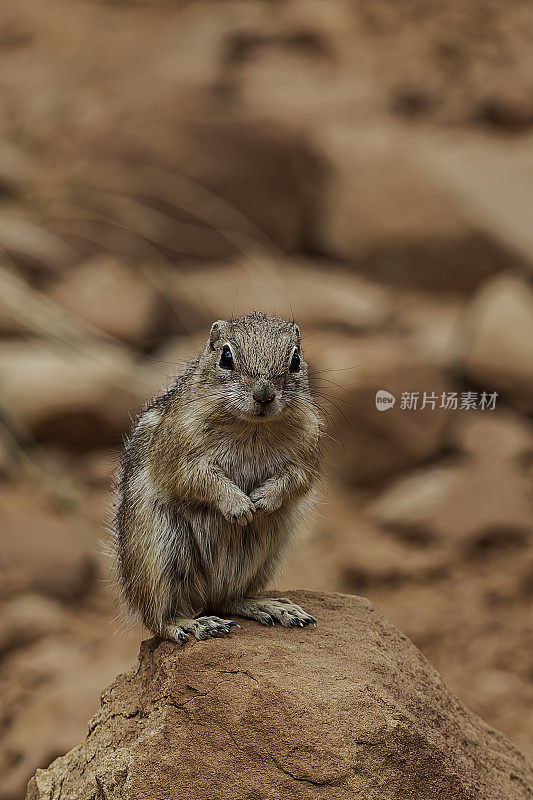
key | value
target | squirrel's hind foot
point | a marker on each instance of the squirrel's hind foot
(268, 610)
(178, 630)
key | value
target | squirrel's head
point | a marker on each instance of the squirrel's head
(255, 365)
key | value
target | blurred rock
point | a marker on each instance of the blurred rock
(492, 180)
(161, 368)
(8, 326)
(80, 398)
(353, 710)
(28, 618)
(42, 551)
(348, 552)
(15, 167)
(317, 295)
(502, 436)
(373, 61)
(386, 212)
(267, 172)
(347, 372)
(226, 185)
(508, 108)
(431, 325)
(98, 468)
(497, 345)
(7, 461)
(480, 503)
(61, 679)
(115, 298)
(176, 351)
(31, 246)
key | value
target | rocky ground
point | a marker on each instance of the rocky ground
(363, 167)
(375, 721)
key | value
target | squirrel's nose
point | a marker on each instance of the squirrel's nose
(264, 394)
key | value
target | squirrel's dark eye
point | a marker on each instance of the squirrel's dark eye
(226, 359)
(295, 362)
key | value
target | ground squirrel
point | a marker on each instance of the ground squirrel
(217, 475)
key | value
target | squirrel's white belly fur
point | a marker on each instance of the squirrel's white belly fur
(232, 556)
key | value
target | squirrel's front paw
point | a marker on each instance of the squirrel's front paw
(238, 509)
(266, 498)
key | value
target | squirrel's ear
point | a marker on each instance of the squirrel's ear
(216, 331)
(297, 332)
